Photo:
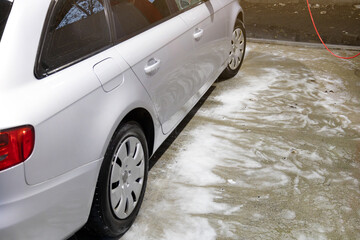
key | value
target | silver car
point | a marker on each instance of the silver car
(89, 89)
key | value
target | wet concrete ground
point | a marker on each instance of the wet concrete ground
(272, 154)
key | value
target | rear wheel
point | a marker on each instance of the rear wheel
(237, 53)
(122, 181)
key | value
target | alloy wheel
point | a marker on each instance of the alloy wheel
(237, 49)
(127, 177)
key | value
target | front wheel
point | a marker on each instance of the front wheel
(121, 184)
(237, 52)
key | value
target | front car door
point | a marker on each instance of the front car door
(161, 60)
(209, 33)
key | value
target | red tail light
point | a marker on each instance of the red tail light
(16, 145)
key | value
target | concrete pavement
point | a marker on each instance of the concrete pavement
(272, 154)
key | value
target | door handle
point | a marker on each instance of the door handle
(198, 33)
(152, 66)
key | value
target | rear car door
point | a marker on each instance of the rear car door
(161, 58)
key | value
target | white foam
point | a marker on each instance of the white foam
(226, 229)
(231, 181)
(191, 228)
(288, 214)
(257, 216)
(233, 210)
(197, 200)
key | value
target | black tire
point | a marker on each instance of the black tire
(230, 71)
(103, 220)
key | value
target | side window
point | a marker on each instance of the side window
(5, 8)
(133, 16)
(183, 4)
(76, 29)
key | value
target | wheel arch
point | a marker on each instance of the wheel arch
(236, 12)
(240, 16)
(144, 119)
(101, 220)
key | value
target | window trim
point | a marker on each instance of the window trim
(127, 37)
(111, 28)
(191, 6)
(2, 29)
(37, 68)
(172, 15)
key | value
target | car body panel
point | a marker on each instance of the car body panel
(73, 95)
(51, 210)
(87, 122)
(170, 86)
(110, 73)
(76, 110)
(175, 87)
(230, 11)
(210, 51)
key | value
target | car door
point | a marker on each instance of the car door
(209, 33)
(153, 43)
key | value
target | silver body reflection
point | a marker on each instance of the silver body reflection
(154, 77)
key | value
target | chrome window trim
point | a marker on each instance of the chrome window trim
(46, 26)
(111, 26)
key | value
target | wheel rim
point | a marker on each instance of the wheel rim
(237, 49)
(127, 177)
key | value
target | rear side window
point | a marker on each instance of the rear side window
(76, 29)
(5, 7)
(134, 16)
(183, 4)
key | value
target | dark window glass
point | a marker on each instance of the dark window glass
(76, 29)
(183, 4)
(133, 16)
(5, 7)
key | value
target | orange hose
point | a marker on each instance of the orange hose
(312, 19)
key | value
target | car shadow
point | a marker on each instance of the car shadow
(172, 137)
